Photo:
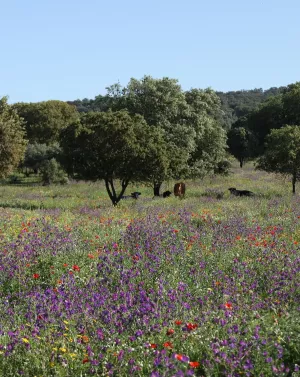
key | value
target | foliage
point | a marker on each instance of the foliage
(234, 104)
(209, 151)
(282, 154)
(237, 104)
(186, 118)
(36, 154)
(268, 116)
(183, 116)
(291, 104)
(274, 113)
(223, 167)
(12, 142)
(241, 144)
(114, 146)
(52, 172)
(45, 120)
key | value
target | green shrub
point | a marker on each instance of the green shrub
(52, 172)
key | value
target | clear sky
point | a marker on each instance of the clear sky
(69, 49)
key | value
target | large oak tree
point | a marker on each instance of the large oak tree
(114, 147)
(186, 118)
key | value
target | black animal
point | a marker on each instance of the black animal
(166, 194)
(234, 191)
(134, 195)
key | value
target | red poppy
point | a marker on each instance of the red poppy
(36, 276)
(65, 264)
(194, 364)
(178, 323)
(91, 256)
(153, 345)
(86, 360)
(228, 305)
(76, 268)
(170, 332)
(178, 356)
(191, 326)
(168, 345)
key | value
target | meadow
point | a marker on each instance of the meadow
(204, 286)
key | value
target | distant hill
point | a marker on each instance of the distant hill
(236, 104)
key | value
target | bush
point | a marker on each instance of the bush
(14, 179)
(223, 167)
(52, 172)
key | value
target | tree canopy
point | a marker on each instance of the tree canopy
(37, 154)
(114, 146)
(185, 117)
(273, 113)
(45, 120)
(282, 153)
(241, 144)
(12, 138)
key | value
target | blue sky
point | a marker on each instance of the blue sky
(63, 49)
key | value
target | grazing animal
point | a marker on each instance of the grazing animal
(166, 194)
(179, 189)
(234, 191)
(134, 195)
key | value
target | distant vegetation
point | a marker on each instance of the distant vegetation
(234, 104)
(149, 131)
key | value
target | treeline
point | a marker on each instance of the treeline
(150, 130)
(247, 136)
(234, 104)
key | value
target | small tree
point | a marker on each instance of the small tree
(114, 146)
(52, 172)
(36, 154)
(282, 153)
(12, 142)
(239, 143)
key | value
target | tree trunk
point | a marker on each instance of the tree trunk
(294, 183)
(156, 188)
(241, 162)
(110, 188)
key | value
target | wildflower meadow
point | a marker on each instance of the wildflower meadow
(204, 286)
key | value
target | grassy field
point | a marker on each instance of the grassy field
(205, 286)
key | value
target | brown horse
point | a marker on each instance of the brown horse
(179, 189)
